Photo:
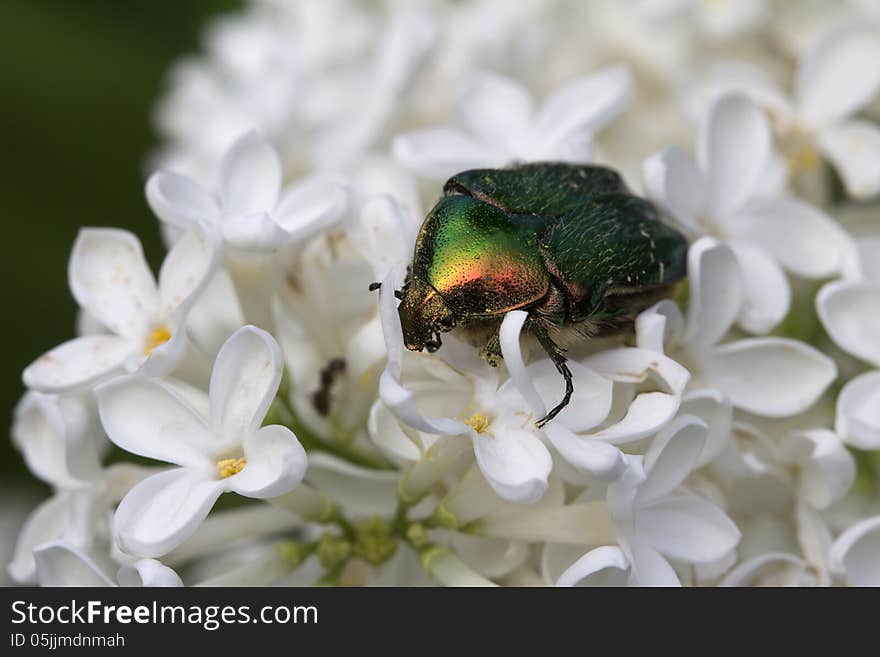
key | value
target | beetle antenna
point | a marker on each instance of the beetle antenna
(375, 286)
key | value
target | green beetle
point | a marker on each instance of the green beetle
(567, 243)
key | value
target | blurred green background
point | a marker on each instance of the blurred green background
(78, 84)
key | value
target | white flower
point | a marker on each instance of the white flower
(500, 420)
(61, 442)
(502, 124)
(328, 325)
(855, 555)
(835, 80)
(652, 523)
(506, 444)
(769, 376)
(229, 451)
(249, 208)
(62, 564)
(595, 452)
(353, 108)
(59, 437)
(850, 312)
(786, 481)
(146, 322)
(725, 194)
(251, 215)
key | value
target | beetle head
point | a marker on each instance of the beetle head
(423, 316)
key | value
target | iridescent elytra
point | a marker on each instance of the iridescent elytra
(568, 243)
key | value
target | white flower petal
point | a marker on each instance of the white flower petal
(657, 325)
(773, 377)
(838, 76)
(276, 463)
(440, 153)
(595, 457)
(631, 365)
(402, 403)
(766, 292)
(215, 314)
(856, 553)
(387, 434)
(734, 146)
(594, 561)
(715, 296)
(509, 340)
(146, 417)
(591, 401)
(161, 512)
(802, 239)
(384, 233)
(244, 381)
(39, 431)
(717, 412)
(186, 270)
(77, 363)
(687, 528)
(749, 572)
(649, 568)
(250, 176)
(148, 572)
(514, 461)
(646, 414)
(61, 564)
(850, 312)
(869, 257)
(854, 149)
(587, 103)
(46, 523)
(827, 469)
(109, 277)
(858, 412)
(495, 108)
(672, 179)
(358, 490)
(672, 456)
(309, 206)
(253, 232)
(180, 201)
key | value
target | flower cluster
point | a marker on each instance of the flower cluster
(251, 416)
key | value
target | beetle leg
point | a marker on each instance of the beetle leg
(434, 344)
(556, 354)
(491, 352)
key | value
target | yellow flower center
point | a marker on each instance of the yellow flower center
(229, 467)
(478, 422)
(158, 337)
(804, 159)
